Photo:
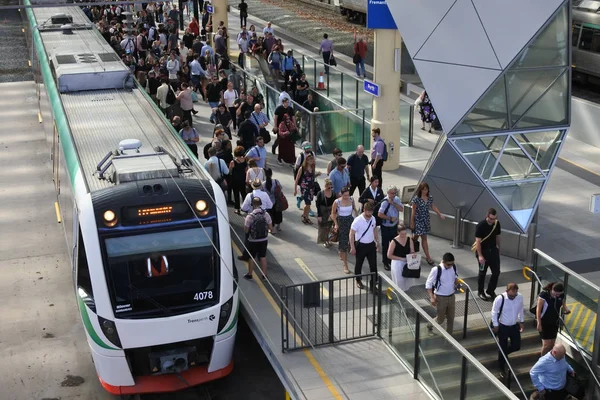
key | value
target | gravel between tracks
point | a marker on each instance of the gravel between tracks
(310, 22)
(13, 63)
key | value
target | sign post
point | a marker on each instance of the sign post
(371, 88)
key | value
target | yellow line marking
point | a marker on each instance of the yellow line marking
(322, 374)
(287, 396)
(576, 321)
(29, 62)
(583, 324)
(23, 30)
(589, 331)
(573, 307)
(332, 389)
(40, 117)
(312, 276)
(57, 209)
(580, 166)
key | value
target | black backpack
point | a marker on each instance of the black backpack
(171, 96)
(259, 229)
(144, 43)
(439, 276)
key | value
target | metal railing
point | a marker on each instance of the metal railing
(580, 293)
(469, 292)
(404, 321)
(326, 312)
(583, 353)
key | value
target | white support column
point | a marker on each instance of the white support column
(220, 14)
(386, 107)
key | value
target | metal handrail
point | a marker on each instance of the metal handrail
(468, 356)
(412, 331)
(581, 351)
(512, 371)
(567, 270)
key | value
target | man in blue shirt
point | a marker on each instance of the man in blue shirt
(258, 153)
(339, 177)
(389, 212)
(549, 374)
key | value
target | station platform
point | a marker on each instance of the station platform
(567, 231)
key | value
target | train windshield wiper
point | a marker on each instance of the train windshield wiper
(164, 309)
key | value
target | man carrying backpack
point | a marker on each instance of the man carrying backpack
(257, 226)
(507, 322)
(441, 285)
(378, 154)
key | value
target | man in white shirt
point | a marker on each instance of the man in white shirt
(507, 321)
(216, 167)
(268, 29)
(128, 45)
(161, 96)
(243, 45)
(266, 203)
(441, 285)
(364, 243)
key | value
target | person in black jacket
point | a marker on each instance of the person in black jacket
(248, 132)
(373, 194)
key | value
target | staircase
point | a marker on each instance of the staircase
(445, 362)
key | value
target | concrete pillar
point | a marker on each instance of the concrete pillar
(220, 14)
(386, 107)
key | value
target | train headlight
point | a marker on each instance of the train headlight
(110, 330)
(110, 218)
(225, 314)
(202, 207)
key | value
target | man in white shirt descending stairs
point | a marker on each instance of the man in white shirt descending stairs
(507, 321)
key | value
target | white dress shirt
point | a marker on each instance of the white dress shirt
(361, 226)
(447, 281)
(512, 312)
(267, 204)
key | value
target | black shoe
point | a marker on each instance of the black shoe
(482, 296)
(360, 285)
(492, 295)
(430, 329)
(264, 278)
(376, 288)
(387, 267)
(242, 258)
(195, 112)
(248, 276)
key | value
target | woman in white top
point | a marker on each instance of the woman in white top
(342, 214)
(173, 67)
(254, 172)
(401, 247)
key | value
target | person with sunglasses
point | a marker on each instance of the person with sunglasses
(547, 313)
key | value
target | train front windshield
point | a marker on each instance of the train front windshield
(162, 274)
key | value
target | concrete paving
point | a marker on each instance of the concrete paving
(43, 347)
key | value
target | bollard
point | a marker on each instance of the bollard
(457, 225)
(531, 233)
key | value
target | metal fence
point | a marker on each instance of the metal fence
(327, 312)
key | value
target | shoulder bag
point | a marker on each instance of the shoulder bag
(474, 245)
(281, 203)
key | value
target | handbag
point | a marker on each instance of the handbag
(356, 58)
(333, 236)
(262, 131)
(412, 269)
(410, 273)
(332, 61)
(221, 181)
(281, 203)
(416, 245)
(474, 245)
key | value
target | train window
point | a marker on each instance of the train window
(575, 36)
(590, 40)
(83, 271)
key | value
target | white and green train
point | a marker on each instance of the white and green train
(146, 226)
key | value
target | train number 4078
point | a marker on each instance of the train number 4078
(200, 296)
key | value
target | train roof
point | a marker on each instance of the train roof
(100, 120)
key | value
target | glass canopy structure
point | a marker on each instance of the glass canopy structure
(503, 99)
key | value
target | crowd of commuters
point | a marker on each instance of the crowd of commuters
(175, 72)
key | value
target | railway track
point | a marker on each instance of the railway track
(202, 392)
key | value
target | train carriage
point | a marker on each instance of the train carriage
(146, 226)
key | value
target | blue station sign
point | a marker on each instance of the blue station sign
(210, 9)
(371, 88)
(379, 15)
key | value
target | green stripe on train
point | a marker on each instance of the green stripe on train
(58, 112)
(90, 328)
